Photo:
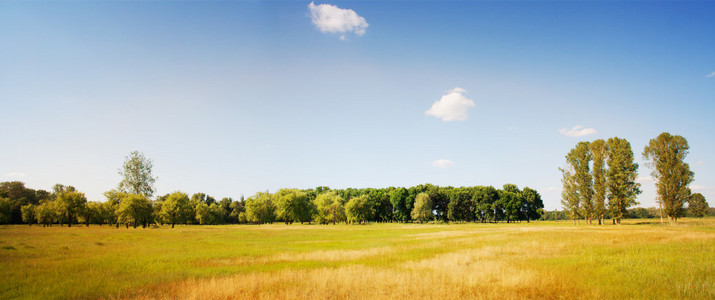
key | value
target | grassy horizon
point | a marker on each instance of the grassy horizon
(638, 259)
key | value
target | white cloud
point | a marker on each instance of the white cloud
(332, 19)
(14, 175)
(710, 75)
(552, 189)
(577, 131)
(442, 163)
(700, 163)
(451, 107)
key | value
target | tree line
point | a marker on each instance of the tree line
(130, 204)
(604, 170)
(322, 205)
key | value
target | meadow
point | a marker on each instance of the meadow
(638, 259)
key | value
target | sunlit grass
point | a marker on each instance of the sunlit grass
(639, 259)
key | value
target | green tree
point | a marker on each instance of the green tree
(398, 199)
(510, 195)
(134, 209)
(260, 208)
(92, 213)
(621, 178)
(484, 199)
(358, 210)
(329, 208)
(423, 208)
(237, 208)
(5, 210)
(70, 204)
(666, 155)
(46, 213)
(17, 195)
(697, 205)
(28, 214)
(599, 150)
(569, 194)
(293, 205)
(175, 209)
(111, 206)
(461, 206)
(136, 175)
(579, 158)
(533, 205)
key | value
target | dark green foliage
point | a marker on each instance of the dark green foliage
(621, 178)
(697, 205)
(461, 207)
(398, 199)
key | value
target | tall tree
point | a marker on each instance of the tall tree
(423, 208)
(697, 205)
(569, 194)
(136, 175)
(579, 158)
(599, 151)
(621, 178)
(666, 155)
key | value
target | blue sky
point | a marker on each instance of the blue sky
(230, 98)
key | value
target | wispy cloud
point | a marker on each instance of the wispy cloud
(577, 131)
(710, 75)
(451, 107)
(14, 175)
(332, 19)
(442, 163)
(552, 189)
(700, 163)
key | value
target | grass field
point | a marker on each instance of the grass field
(536, 260)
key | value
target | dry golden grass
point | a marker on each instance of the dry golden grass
(497, 262)
(640, 259)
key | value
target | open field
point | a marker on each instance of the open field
(536, 260)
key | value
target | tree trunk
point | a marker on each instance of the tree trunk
(172, 225)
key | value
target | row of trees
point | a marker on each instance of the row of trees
(422, 203)
(600, 170)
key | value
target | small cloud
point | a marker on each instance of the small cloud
(332, 19)
(442, 163)
(710, 75)
(451, 107)
(14, 175)
(700, 163)
(577, 131)
(552, 189)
